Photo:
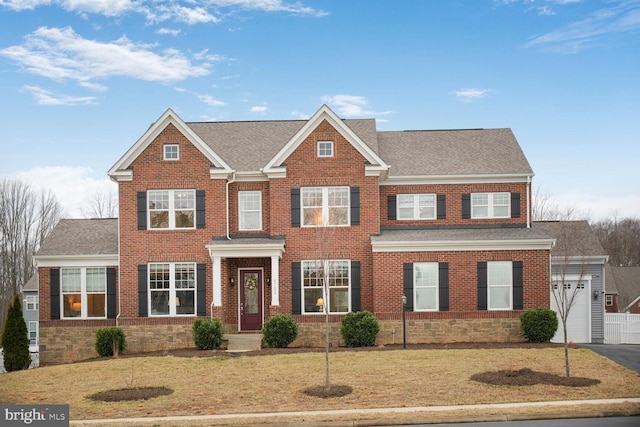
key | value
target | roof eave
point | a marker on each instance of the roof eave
(457, 179)
(99, 260)
(462, 245)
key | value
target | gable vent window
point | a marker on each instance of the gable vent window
(325, 148)
(171, 152)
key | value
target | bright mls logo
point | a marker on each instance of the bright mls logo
(37, 415)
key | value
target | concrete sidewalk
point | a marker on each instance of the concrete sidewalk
(412, 415)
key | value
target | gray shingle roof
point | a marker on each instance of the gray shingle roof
(573, 238)
(624, 280)
(460, 234)
(82, 237)
(452, 152)
(32, 284)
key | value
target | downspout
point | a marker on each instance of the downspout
(119, 278)
(233, 178)
(528, 201)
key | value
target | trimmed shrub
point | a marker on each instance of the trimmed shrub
(280, 331)
(15, 339)
(207, 333)
(108, 339)
(359, 329)
(539, 324)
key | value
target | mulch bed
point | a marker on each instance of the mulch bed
(525, 376)
(334, 390)
(130, 393)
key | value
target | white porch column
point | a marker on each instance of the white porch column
(217, 281)
(275, 281)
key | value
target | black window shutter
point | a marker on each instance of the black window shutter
(201, 289)
(200, 211)
(482, 285)
(295, 207)
(515, 205)
(142, 210)
(466, 206)
(355, 286)
(54, 274)
(143, 309)
(408, 284)
(111, 293)
(517, 286)
(443, 286)
(296, 288)
(355, 205)
(391, 207)
(441, 206)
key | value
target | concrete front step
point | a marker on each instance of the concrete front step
(237, 343)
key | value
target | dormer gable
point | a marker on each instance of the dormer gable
(276, 167)
(121, 170)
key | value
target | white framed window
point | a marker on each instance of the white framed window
(490, 205)
(32, 302)
(313, 297)
(171, 209)
(250, 210)
(416, 206)
(172, 289)
(171, 152)
(84, 292)
(499, 285)
(325, 148)
(33, 331)
(325, 206)
(608, 300)
(425, 286)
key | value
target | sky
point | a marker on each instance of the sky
(82, 80)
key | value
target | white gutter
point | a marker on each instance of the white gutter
(119, 278)
(233, 178)
(528, 202)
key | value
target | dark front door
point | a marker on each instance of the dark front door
(250, 300)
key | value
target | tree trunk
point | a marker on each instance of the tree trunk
(566, 349)
(326, 353)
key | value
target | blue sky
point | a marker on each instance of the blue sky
(81, 80)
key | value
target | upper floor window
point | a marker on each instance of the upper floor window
(416, 206)
(32, 302)
(170, 209)
(325, 206)
(490, 205)
(172, 289)
(608, 300)
(250, 210)
(83, 292)
(171, 152)
(325, 148)
(336, 299)
(425, 279)
(499, 285)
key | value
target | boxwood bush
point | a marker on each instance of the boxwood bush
(359, 329)
(280, 331)
(207, 333)
(107, 339)
(539, 324)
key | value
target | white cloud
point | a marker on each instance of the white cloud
(45, 97)
(104, 7)
(62, 54)
(196, 15)
(260, 109)
(300, 115)
(207, 99)
(271, 6)
(351, 106)
(167, 31)
(72, 186)
(470, 95)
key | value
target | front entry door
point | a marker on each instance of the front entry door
(250, 300)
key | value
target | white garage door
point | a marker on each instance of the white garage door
(578, 323)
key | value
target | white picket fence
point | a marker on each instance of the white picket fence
(621, 328)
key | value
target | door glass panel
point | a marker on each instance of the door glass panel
(251, 293)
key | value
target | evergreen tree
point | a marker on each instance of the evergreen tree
(15, 339)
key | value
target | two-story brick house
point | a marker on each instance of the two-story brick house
(235, 220)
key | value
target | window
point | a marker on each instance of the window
(171, 209)
(608, 300)
(337, 301)
(32, 302)
(490, 205)
(499, 285)
(83, 292)
(33, 331)
(323, 206)
(250, 210)
(325, 148)
(171, 152)
(416, 206)
(172, 289)
(425, 279)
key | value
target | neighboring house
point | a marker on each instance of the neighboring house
(623, 290)
(30, 310)
(578, 266)
(234, 220)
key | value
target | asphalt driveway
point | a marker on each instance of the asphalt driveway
(627, 355)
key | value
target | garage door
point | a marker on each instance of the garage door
(578, 323)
